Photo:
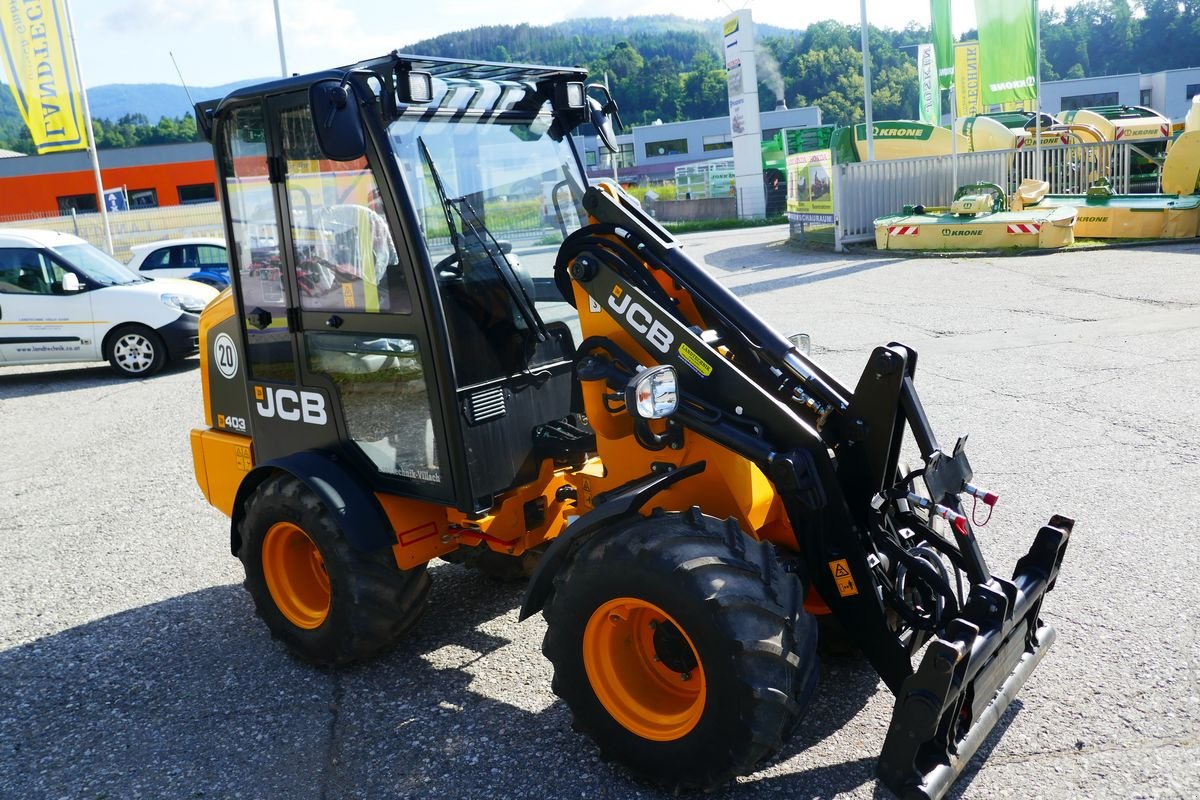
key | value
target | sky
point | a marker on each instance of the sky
(220, 41)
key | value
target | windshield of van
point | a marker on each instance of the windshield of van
(97, 265)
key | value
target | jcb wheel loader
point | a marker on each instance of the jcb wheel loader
(440, 341)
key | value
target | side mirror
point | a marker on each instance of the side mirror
(603, 116)
(603, 125)
(70, 283)
(335, 114)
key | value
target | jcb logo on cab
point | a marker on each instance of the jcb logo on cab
(290, 405)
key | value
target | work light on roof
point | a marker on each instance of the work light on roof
(414, 87)
(574, 95)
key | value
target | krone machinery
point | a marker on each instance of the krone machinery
(409, 365)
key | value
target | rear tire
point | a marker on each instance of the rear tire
(135, 351)
(682, 648)
(329, 603)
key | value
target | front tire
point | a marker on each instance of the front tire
(682, 648)
(135, 351)
(329, 603)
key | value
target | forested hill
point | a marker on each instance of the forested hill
(671, 68)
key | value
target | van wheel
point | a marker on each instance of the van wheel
(135, 351)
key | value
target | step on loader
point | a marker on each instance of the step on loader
(442, 342)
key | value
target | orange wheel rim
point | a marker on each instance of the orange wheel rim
(296, 576)
(644, 669)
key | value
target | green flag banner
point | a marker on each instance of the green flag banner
(1007, 49)
(943, 41)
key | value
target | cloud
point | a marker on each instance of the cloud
(145, 16)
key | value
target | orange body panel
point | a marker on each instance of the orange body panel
(730, 485)
(427, 530)
(221, 460)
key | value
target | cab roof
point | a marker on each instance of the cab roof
(451, 70)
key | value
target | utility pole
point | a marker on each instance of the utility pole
(279, 33)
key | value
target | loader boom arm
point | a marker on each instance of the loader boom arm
(864, 535)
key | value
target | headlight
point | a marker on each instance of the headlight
(652, 393)
(184, 302)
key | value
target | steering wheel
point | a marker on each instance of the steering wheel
(450, 266)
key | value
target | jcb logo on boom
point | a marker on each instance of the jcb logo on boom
(640, 320)
(290, 405)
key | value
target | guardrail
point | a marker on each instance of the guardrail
(867, 190)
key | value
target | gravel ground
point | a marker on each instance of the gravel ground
(132, 664)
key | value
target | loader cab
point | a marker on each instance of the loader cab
(392, 270)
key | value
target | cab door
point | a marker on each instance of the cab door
(39, 322)
(358, 331)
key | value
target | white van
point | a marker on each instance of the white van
(63, 300)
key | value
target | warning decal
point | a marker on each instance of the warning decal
(842, 577)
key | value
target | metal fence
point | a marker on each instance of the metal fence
(129, 228)
(867, 190)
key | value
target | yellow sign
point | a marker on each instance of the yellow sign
(968, 92)
(810, 186)
(842, 577)
(731, 26)
(36, 40)
(694, 360)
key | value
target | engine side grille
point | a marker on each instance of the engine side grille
(485, 404)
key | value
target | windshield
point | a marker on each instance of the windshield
(494, 197)
(524, 186)
(97, 265)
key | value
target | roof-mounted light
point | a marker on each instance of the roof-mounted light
(414, 86)
(568, 94)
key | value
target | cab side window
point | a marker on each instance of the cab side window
(346, 259)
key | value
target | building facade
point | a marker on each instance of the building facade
(152, 176)
(651, 153)
(1169, 92)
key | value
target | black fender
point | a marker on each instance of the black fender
(624, 501)
(355, 508)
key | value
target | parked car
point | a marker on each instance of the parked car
(203, 260)
(63, 300)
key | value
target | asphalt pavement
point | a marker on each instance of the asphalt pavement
(132, 665)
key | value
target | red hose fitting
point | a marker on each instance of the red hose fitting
(956, 520)
(988, 498)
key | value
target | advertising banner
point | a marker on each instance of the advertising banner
(1008, 49)
(967, 94)
(929, 94)
(36, 43)
(810, 187)
(943, 41)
